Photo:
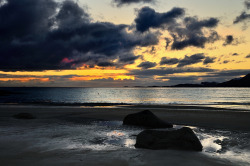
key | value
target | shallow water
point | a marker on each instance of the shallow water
(110, 136)
(218, 97)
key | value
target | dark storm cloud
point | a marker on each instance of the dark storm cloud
(105, 64)
(182, 79)
(173, 80)
(153, 50)
(194, 40)
(51, 77)
(18, 76)
(26, 18)
(242, 18)
(192, 34)
(147, 65)
(168, 41)
(247, 4)
(235, 54)
(120, 3)
(129, 59)
(166, 71)
(149, 18)
(208, 60)
(229, 40)
(190, 60)
(192, 23)
(189, 31)
(230, 73)
(169, 61)
(46, 35)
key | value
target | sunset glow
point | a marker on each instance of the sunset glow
(123, 46)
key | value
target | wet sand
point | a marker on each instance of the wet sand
(178, 114)
(23, 151)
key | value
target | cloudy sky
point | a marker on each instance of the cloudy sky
(116, 43)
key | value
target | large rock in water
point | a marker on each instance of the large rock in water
(145, 119)
(182, 139)
(24, 116)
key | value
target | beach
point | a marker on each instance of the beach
(124, 83)
(94, 135)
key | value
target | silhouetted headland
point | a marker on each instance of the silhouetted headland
(236, 82)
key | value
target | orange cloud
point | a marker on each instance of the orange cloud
(89, 78)
(25, 79)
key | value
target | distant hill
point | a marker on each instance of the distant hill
(188, 85)
(242, 82)
(237, 82)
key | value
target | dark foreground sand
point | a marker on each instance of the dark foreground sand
(15, 152)
(179, 114)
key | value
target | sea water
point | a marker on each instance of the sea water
(110, 139)
(218, 97)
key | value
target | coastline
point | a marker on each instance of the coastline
(58, 135)
(193, 115)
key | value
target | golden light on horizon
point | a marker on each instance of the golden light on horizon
(25, 79)
(115, 77)
(80, 72)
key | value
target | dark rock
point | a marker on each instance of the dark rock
(24, 116)
(145, 119)
(182, 139)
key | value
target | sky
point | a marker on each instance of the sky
(116, 43)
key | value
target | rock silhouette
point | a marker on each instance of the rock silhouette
(182, 139)
(145, 119)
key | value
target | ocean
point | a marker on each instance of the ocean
(238, 98)
(55, 135)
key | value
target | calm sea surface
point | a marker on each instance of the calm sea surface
(220, 97)
(112, 138)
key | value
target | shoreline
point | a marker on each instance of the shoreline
(72, 135)
(193, 115)
(167, 106)
(217, 105)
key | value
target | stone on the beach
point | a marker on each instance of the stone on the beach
(24, 116)
(145, 119)
(182, 139)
